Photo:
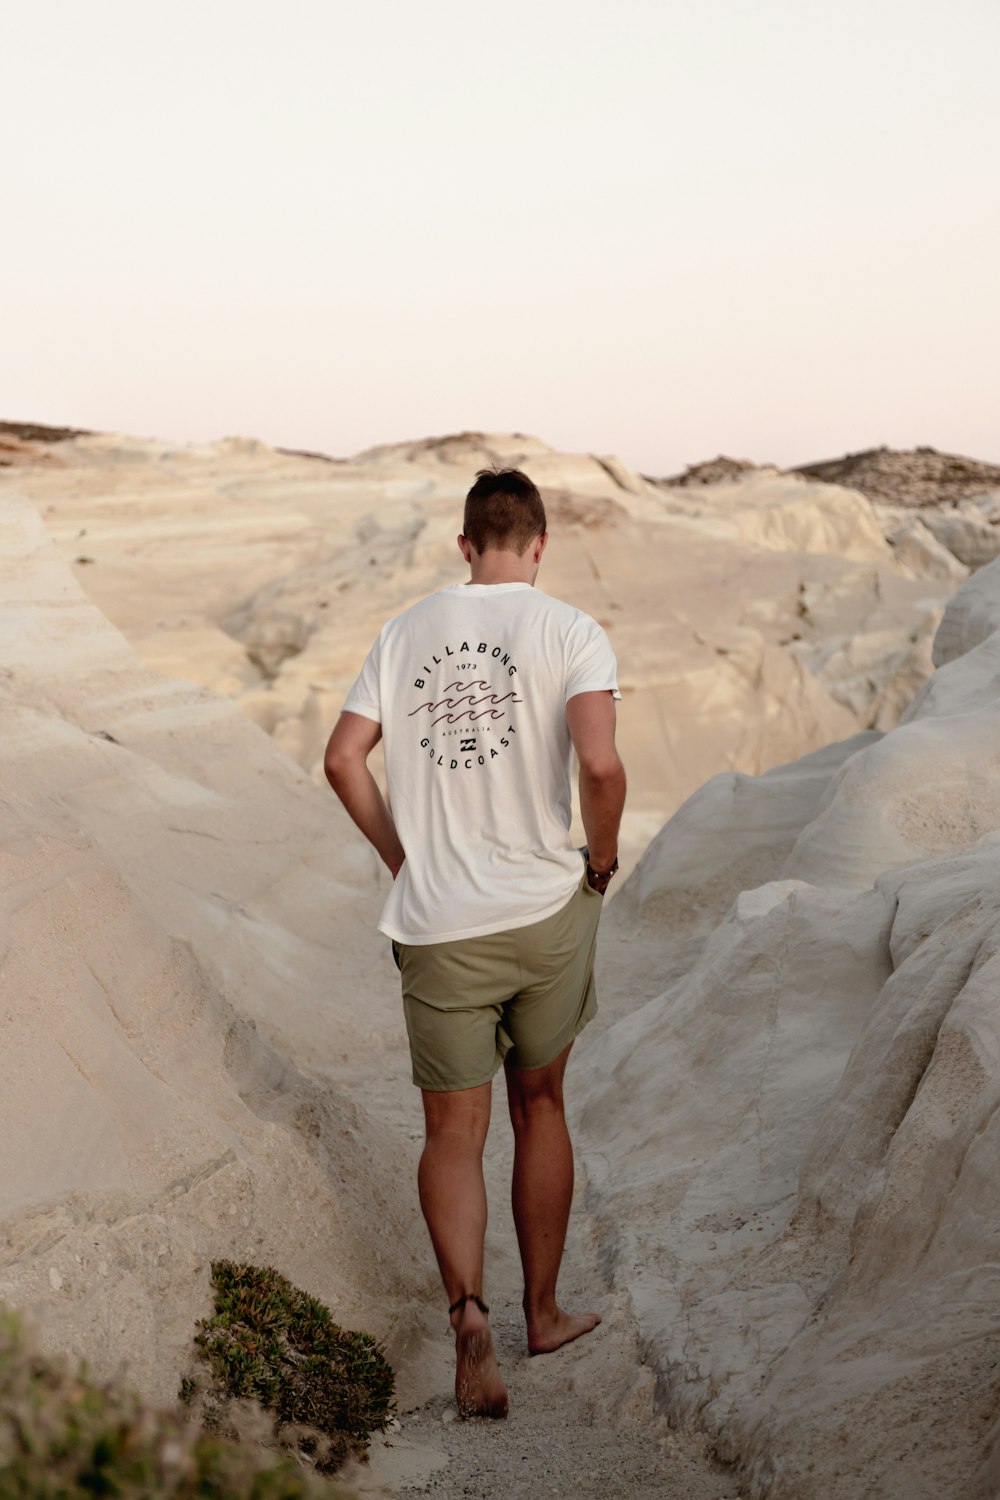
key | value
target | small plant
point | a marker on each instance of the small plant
(63, 1436)
(327, 1388)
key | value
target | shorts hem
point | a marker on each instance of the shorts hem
(453, 1088)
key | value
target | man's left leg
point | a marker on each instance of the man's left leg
(541, 1197)
(453, 1200)
(557, 999)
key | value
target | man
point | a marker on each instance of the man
(481, 691)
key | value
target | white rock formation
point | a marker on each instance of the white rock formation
(967, 531)
(962, 684)
(732, 835)
(875, 674)
(177, 1001)
(792, 1145)
(972, 537)
(788, 514)
(917, 549)
(970, 617)
(788, 1104)
(752, 619)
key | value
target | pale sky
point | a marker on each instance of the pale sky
(662, 229)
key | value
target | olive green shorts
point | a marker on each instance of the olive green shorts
(518, 996)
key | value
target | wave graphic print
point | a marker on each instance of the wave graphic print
(472, 694)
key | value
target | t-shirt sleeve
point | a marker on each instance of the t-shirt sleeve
(592, 665)
(364, 697)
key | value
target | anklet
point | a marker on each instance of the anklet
(468, 1297)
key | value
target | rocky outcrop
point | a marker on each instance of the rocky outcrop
(712, 470)
(917, 548)
(791, 1143)
(907, 477)
(971, 534)
(788, 1102)
(39, 432)
(969, 619)
(789, 515)
(754, 619)
(177, 1006)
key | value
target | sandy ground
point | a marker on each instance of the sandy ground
(561, 1438)
(582, 1421)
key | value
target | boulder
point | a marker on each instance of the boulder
(972, 613)
(966, 534)
(918, 549)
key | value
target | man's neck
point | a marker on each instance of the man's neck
(494, 566)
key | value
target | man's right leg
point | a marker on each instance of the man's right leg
(542, 1193)
(451, 1021)
(453, 1199)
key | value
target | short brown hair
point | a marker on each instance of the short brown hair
(503, 510)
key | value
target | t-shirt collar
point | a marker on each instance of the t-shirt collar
(484, 588)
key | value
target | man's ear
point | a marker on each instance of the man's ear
(540, 545)
(465, 547)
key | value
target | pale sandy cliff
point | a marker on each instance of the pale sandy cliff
(786, 1106)
(791, 1146)
(752, 619)
(184, 916)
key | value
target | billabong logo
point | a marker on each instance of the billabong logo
(468, 722)
(473, 695)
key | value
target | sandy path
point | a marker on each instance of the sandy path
(581, 1420)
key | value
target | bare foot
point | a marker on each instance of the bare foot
(479, 1387)
(547, 1332)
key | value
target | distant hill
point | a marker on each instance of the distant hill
(38, 432)
(711, 470)
(908, 476)
(895, 476)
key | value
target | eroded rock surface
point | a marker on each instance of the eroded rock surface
(177, 1004)
(753, 618)
(791, 1143)
(788, 1102)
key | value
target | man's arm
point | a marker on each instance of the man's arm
(591, 721)
(346, 765)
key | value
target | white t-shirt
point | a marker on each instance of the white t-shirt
(470, 686)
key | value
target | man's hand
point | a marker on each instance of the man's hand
(590, 718)
(346, 765)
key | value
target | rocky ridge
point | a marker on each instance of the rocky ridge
(753, 618)
(914, 477)
(788, 1103)
(167, 966)
(789, 1141)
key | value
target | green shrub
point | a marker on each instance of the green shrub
(66, 1437)
(327, 1389)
